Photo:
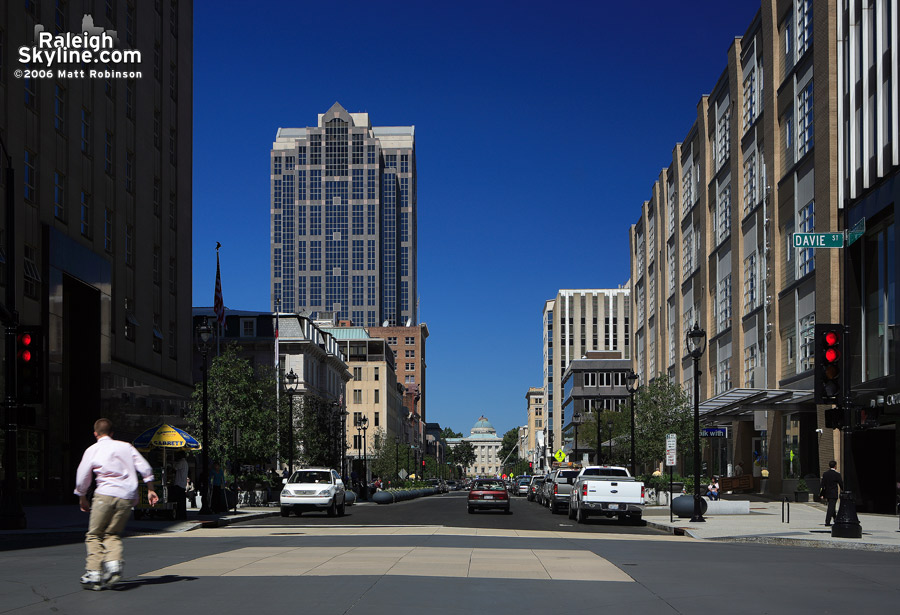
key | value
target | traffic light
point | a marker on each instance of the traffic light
(29, 360)
(530, 465)
(834, 418)
(829, 369)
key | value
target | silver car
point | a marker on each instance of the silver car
(313, 489)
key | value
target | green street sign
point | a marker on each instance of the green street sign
(818, 240)
(858, 230)
(559, 456)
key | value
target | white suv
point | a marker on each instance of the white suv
(313, 489)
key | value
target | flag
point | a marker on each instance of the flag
(218, 302)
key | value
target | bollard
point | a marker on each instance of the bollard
(783, 502)
(846, 523)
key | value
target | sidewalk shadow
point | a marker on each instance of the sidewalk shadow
(123, 586)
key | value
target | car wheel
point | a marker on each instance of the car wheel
(580, 517)
(571, 512)
(285, 511)
(471, 510)
(341, 508)
(553, 508)
(507, 511)
(332, 509)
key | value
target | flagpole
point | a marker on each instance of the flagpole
(219, 303)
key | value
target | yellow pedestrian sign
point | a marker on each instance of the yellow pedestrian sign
(559, 456)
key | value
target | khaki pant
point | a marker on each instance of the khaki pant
(103, 540)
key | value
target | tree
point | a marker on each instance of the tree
(449, 433)
(461, 456)
(241, 399)
(620, 436)
(510, 440)
(662, 407)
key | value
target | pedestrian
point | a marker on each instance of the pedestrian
(832, 485)
(217, 480)
(190, 493)
(712, 490)
(115, 465)
(179, 489)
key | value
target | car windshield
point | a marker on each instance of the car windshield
(605, 472)
(310, 476)
(524, 481)
(489, 486)
(568, 474)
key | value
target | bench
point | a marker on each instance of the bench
(736, 483)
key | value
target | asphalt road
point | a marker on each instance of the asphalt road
(429, 555)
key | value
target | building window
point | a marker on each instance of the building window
(157, 62)
(157, 333)
(59, 196)
(86, 214)
(129, 245)
(879, 304)
(410, 367)
(377, 396)
(173, 147)
(173, 348)
(410, 353)
(751, 284)
(59, 108)
(805, 120)
(788, 122)
(723, 377)
(248, 327)
(31, 273)
(723, 214)
(723, 139)
(687, 191)
(751, 361)
(157, 273)
(804, 26)
(750, 103)
(357, 397)
(173, 81)
(806, 262)
(173, 211)
(85, 131)
(590, 379)
(129, 172)
(30, 176)
(807, 342)
(749, 182)
(108, 154)
(687, 253)
(357, 373)
(392, 341)
(108, 230)
(30, 85)
(410, 341)
(724, 311)
(376, 374)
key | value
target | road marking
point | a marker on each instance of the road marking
(547, 564)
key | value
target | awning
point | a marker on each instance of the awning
(737, 402)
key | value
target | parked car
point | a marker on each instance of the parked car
(534, 488)
(522, 484)
(313, 489)
(608, 491)
(558, 488)
(488, 494)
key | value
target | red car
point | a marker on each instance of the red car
(486, 494)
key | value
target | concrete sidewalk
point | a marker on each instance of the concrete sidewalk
(764, 525)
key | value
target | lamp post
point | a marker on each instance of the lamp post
(364, 425)
(696, 345)
(599, 438)
(609, 426)
(344, 415)
(204, 334)
(577, 419)
(632, 387)
(291, 382)
(397, 456)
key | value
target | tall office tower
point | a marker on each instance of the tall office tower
(575, 322)
(102, 237)
(344, 220)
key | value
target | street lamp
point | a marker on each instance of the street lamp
(291, 382)
(364, 425)
(577, 419)
(609, 426)
(204, 334)
(696, 345)
(632, 387)
(397, 455)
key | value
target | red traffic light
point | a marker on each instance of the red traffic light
(832, 355)
(832, 338)
(25, 355)
(25, 339)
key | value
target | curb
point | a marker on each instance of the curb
(225, 521)
(779, 540)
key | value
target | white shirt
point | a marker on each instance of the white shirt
(116, 465)
(181, 472)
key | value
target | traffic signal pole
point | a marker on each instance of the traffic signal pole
(12, 516)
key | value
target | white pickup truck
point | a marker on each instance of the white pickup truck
(606, 490)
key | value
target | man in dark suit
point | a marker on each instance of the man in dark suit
(832, 485)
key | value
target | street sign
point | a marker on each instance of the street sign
(858, 230)
(403, 474)
(818, 240)
(670, 449)
(559, 455)
(713, 432)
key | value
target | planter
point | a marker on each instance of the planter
(801, 496)
(683, 506)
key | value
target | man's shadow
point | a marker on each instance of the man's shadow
(123, 586)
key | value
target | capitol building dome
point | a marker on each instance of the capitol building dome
(483, 426)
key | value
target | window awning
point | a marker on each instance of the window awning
(737, 402)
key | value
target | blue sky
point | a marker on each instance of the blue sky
(540, 128)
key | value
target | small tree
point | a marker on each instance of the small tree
(620, 435)
(510, 439)
(462, 456)
(662, 407)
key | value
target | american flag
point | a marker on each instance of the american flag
(218, 302)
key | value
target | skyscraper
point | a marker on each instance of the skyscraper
(344, 219)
